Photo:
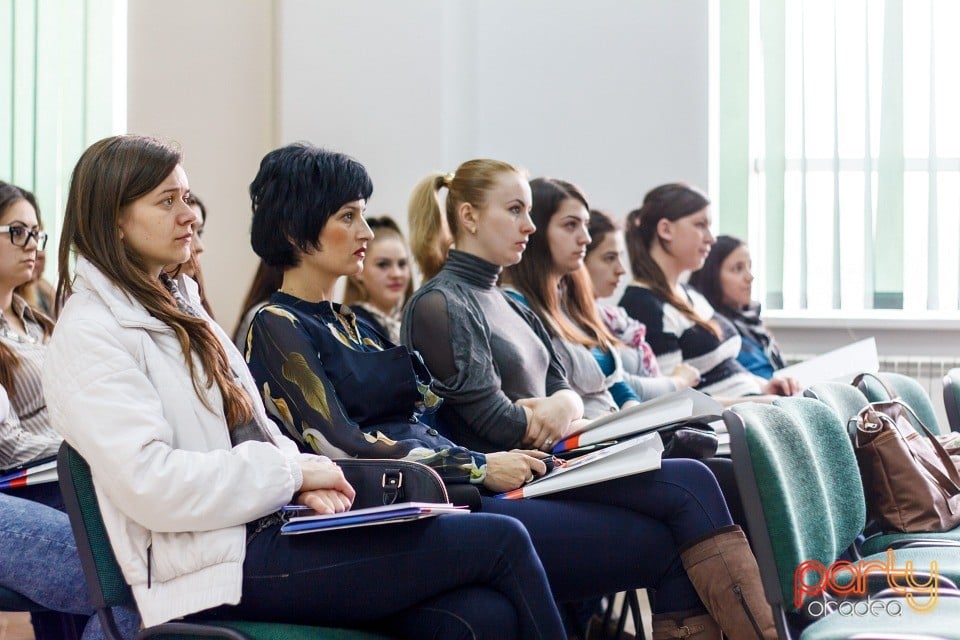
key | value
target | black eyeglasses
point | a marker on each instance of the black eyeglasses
(20, 236)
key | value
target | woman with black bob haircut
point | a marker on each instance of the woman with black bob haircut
(292, 200)
(190, 472)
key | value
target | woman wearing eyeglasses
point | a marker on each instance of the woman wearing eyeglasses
(25, 434)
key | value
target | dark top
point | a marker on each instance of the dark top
(337, 387)
(485, 350)
(675, 339)
(369, 318)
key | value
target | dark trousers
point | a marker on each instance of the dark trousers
(623, 534)
(470, 576)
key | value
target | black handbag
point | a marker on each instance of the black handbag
(383, 481)
(689, 440)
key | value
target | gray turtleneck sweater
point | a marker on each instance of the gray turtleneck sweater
(485, 351)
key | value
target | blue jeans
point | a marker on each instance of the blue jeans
(623, 534)
(40, 561)
(472, 576)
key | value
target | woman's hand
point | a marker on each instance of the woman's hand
(507, 470)
(684, 376)
(782, 386)
(325, 501)
(549, 419)
(324, 489)
(320, 473)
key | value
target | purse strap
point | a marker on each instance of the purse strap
(858, 383)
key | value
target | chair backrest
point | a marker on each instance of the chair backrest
(808, 511)
(909, 390)
(105, 581)
(951, 398)
(845, 399)
(836, 462)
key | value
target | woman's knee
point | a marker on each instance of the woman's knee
(693, 475)
(492, 531)
(467, 613)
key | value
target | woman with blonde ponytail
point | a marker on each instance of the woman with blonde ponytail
(506, 393)
(191, 473)
(667, 237)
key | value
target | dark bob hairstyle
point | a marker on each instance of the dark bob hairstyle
(297, 189)
(706, 280)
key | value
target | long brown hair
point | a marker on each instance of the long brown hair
(672, 202)
(601, 223)
(110, 175)
(383, 227)
(9, 360)
(569, 312)
(469, 184)
(266, 281)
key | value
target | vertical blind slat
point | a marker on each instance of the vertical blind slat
(888, 263)
(734, 103)
(772, 38)
(7, 43)
(803, 159)
(837, 298)
(933, 234)
(868, 237)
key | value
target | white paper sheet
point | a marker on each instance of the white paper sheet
(838, 365)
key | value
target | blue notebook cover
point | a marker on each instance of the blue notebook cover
(402, 512)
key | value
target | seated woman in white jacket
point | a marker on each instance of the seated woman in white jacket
(189, 470)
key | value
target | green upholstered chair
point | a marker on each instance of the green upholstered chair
(803, 506)
(910, 391)
(845, 399)
(109, 589)
(951, 398)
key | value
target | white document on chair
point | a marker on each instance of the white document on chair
(840, 364)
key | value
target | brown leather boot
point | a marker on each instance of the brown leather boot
(698, 626)
(724, 572)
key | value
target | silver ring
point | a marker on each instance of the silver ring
(548, 442)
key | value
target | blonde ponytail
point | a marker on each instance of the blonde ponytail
(425, 218)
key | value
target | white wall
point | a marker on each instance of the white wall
(201, 72)
(611, 95)
(608, 94)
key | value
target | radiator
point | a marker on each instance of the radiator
(928, 371)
